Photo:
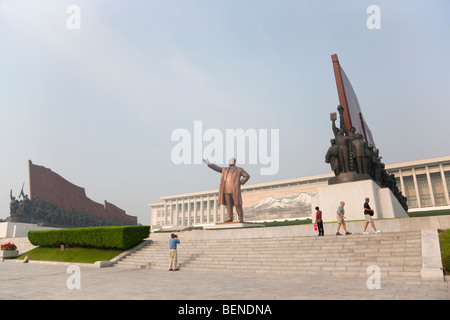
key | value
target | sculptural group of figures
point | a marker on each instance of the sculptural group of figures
(37, 211)
(349, 152)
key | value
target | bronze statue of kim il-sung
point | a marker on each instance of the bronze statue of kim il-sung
(230, 187)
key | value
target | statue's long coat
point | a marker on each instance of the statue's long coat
(235, 176)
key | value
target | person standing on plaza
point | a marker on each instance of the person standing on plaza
(368, 213)
(340, 218)
(319, 221)
(173, 265)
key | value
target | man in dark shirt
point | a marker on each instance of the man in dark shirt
(319, 221)
(368, 213)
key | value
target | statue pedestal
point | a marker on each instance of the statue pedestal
(382, 200)
(228, 225)
(348, 177)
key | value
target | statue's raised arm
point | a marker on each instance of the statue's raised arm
(342, 125)
(213, 166)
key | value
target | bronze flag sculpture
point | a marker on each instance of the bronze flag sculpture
(230, 187)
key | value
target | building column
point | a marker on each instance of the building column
(196, 209)
(189, 212)
(215, 208)
(170, 212)
(223, 213)
(402, 183)
(444, 183)
(193, 212)
(201, 209)
(182, 212)
(208, 210)
(165, 214)
(430, 186)
(177, 214)
(416, 187)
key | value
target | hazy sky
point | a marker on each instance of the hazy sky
(98, 105)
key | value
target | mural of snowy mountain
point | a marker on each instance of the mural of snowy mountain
(281, 206)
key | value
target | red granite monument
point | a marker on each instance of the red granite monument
(52, 188)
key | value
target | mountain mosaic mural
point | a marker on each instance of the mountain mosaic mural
(293, 205)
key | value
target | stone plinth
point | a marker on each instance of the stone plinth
(348, 177)
(432, 269)
(382, 200)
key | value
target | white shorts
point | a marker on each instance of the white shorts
(368, 217)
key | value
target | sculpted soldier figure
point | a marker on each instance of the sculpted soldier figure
(230, 187)
(352, 133)
(332, 157)
(376, 165)
(359, 147)
(342, 142)
(352, 157)
(351, 152)
(369, 157)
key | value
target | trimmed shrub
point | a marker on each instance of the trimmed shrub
(47, 238)
(122, 237)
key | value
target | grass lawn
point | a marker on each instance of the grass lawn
(82, 255)
(444, 238)
(429, 213)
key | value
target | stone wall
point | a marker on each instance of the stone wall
(51, 187)
(14, 230)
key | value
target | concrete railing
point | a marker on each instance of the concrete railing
(17, 230)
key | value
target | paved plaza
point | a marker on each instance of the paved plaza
(36, 281)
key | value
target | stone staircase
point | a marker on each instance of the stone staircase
(397, 254)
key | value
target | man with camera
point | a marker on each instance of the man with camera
(173, 265)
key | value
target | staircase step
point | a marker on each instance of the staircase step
(397, 254)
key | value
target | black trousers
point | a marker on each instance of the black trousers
(320, 226)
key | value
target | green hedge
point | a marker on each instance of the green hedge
(122, 237)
